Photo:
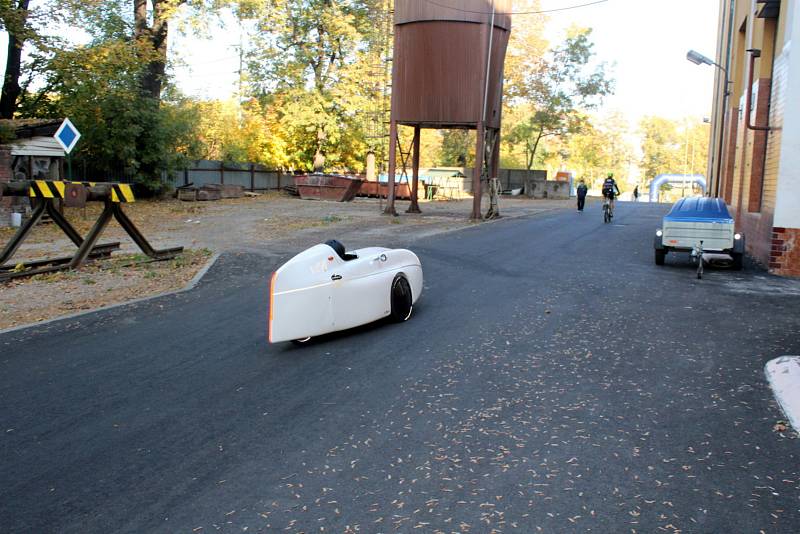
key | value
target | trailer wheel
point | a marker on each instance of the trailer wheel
(660, 255)
(401, 299)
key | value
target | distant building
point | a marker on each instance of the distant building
(755, 167)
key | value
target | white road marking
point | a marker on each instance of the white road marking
(783, 375)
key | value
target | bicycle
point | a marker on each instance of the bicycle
(608, 213)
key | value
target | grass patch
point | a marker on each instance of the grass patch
(331, 219)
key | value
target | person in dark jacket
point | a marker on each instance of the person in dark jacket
(582, 190)
(636, 194)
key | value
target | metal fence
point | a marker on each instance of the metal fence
(256, 177)
(509, 178)
(515, 178)
(248, 175)
(251, 176)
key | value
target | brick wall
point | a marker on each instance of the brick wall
(772, 156)
(751, 192)
(784, 257)
(757, 228)
(784, 253)
(760, 117)
(756, 207)
(5, 176)
(739, 161)
(729, 157)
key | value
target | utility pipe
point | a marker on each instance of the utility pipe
(754, 53)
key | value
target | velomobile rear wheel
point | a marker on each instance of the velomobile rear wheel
(301, 341)
(402, 299)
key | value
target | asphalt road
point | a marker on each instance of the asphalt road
(551, 379)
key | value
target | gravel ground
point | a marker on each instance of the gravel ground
(273, 224)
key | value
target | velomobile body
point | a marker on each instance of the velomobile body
(323, 290)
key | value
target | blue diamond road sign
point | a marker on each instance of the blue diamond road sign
(67, 136)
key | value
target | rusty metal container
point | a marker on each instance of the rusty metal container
(375, 189)
(439, 60)
(327, 187)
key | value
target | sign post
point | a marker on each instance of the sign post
(67, 136)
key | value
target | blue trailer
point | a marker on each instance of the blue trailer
(699, 224)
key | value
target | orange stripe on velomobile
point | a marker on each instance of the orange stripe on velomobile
(271, 303)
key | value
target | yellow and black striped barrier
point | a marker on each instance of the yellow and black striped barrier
(47, 189)
(122, 193)
(72, 194)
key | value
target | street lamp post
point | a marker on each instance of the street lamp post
(699, 59)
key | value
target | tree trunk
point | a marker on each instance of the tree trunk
(11, 88)
(155, 39)
(535, 147)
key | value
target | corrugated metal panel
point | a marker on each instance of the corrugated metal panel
(688, 234)
(37, 146)
(454, 10)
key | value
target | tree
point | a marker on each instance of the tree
(25, 24)
(245, 133)
(28, 24)
(526, 47)
(560, 90)
(14, 19)
(660, 146)
(600, 148)
(309, 61)
(151, 19)
(97, 86)
(673, 147)
(458, 148)
(153, 38)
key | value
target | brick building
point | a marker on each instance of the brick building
(755, 150)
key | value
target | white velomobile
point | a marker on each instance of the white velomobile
(324, 289)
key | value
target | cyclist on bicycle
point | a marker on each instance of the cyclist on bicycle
(610, 190)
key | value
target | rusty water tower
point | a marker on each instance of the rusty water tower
(447, 72)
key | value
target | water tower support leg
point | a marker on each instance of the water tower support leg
(477, 175)
(392, 168)
(414, 207)
(496, 155)
(493, 155)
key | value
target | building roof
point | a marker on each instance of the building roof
(443, 172)
(27, 128)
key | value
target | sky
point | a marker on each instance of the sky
(648, 40)
(645, 40)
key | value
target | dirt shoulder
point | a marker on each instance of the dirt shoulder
(272, 224)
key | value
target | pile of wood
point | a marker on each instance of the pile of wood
(192, 193)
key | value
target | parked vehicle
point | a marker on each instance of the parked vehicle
(325, 289)
(693, 221)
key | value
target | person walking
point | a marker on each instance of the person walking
(582, 191)
(636, 194)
